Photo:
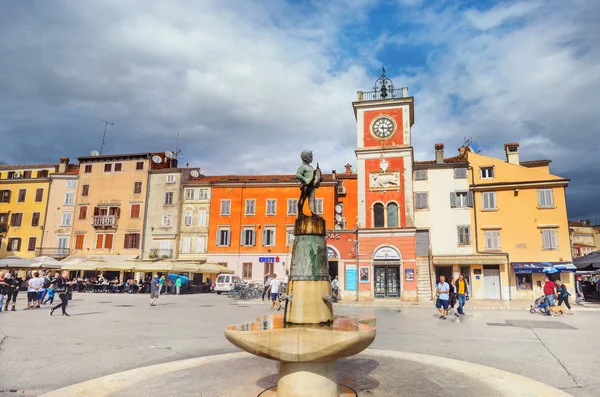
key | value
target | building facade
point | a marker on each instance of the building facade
(23, 206)
(584, 238)
(194, 220)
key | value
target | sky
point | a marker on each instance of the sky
(248, 84)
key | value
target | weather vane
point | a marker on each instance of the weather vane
(384, 85)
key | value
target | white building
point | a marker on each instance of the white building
(195, 214)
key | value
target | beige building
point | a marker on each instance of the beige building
(584, 238)
(61, 211)
(111, 203)
(195, 210)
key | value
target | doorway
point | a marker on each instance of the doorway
(443, 271)
(333, 269)
(491, 281)
(387, 281)
(466, 272)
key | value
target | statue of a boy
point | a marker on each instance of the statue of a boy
(311, 179)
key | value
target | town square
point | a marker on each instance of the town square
(256, 207)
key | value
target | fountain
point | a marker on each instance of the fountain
(307, 339)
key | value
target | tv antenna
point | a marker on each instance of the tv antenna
(106, 124)
(177, 151)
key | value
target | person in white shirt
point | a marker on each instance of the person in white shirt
(285, 281)
(33, 287)
(274, 292)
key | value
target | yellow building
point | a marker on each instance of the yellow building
(23, 204)
(520, 224)
(584, 238)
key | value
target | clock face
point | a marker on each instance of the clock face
(383, 127)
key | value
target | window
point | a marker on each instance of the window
(137, 187)
(83, 212)
(63, 245)
(108, 167)
(31, 244)
(187, 218)
(549, 239)
(11, 175)
(16, 219)
(319, 205)
(88, 169)
(202, 218)
(26, 174)
(378, 215)
(79, 241)
(422, 200)
(545, 198)
(189, 194)
(167, 220)
(66, 219)
(171, 178)
(292, 208)
(268, 237)
(271, 206)
(250, 207)
(22, 195)
(4, 196)
(247, 271)
(461, 199)
(135, 211)
(420, 175)
(523, 281)
(223, 237)
(464, 235)
(225, 207)
(139, 165)
(289, 237)
(186, 245)
(201, 244)
(203, 194)
(71, 184)
(118, 167)
(487, 172)
(248, 237)
(104, 241)
(69, 198)
(42, 174)
(392, 215)
(489, 200)
(460, 173)
(35, 219)
(39, 195)
(492, 240)
(14, 244)
(132, 240)
(169, 198)
(269, 268)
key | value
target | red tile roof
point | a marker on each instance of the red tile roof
(448, 160)
(535, 163)
(72, 169)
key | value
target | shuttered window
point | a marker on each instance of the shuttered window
(549, 239)
(460, 173)
(461, 199)
(464, 235)
(79, 241)
(225, 207)
(188, 217)
(420, 175)
(14, 244)
(22, 195)
(108, 241)
(39, 195)
(31, 244)
(16, 219)
(69, 198)
(83, 212)
(202, 218)
(223, 237)
(489, 200)
(118, 167)
(492, 240)
(292, 208)
(250, 207)
(268, 237)
(66, 219)
(35, 219)
(88, 169)
(137, 187)
(421, 200)
(139, 165)
(85, 190)
(545, 198)
(319, 206)
(135, 211)
(5, 196)
(132, 240)
(271, 206)
(201, 244)
(248, 237)
(99, 240)
(186, 245)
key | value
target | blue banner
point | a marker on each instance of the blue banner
(351, 278)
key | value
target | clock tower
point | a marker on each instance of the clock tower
(386, 232)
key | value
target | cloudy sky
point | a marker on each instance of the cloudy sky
(248, 84)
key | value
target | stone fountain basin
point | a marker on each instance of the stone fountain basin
(270, 338)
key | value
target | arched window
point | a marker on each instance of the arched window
(379, 215)
(392, 215)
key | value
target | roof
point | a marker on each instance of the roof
(27, 166)
(72, 169)
(253, 179)
(114, 156)
(535, 163)
(449, 160)
(579, 245)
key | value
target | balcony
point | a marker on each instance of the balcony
(53, 252)
(104, 221)
(383, 89)
(158, 253)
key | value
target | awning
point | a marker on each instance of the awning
(213, 268)
(538, 267)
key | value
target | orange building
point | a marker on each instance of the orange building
(252, 218)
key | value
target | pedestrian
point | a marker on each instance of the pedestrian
(178, 285)
(267, 284)
(154, 289)
(285, 281)
(161, 282)
(579, 291)
(274, 289)
(563, 295)
(61, 285)
(50, 298)
(442, 292)
(549, 293)
(462, 294)
(42, 292)
(33, 286)
(3, 288)
(452, 293)
(14, 283)
(335, 289)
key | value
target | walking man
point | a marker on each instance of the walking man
(443, 295)
(550, 293)
(178, 285)
(154, 290)
(266, 285)
(274, 288)
(462, 293)
(14, 283)
(579, 291)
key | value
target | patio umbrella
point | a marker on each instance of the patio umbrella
(45, 262)
(165, 266)
(549, 270)
(588, 262)
(16, 262)
(211, 267)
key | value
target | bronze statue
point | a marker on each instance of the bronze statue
(311, 179)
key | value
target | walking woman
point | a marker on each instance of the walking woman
(61, 284)
(452, 293)
(563, 295)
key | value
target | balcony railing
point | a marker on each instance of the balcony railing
(53, 252)
(104, 221)
(377, 94)
(158, 253)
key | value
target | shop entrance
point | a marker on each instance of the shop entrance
(491, 281)
(443, 271)
(387, 281)
(333, 269)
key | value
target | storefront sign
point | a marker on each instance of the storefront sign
(477, 271)
(386, 253)
(268, 259)
(364, 274)
(409, 274)
(333, 236)
(350, 277)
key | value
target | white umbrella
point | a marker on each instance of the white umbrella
(45, 262)
(16, 262)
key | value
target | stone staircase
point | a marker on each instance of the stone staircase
(424, 292)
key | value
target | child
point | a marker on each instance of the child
(50, 297)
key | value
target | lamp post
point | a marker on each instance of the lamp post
(356, 250)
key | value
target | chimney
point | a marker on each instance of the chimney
(512, 153)
(62, 167)
(348, 169)
(439, 153)
(333, 174)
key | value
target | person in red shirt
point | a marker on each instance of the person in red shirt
(549, 292)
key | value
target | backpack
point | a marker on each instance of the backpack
(46, 282)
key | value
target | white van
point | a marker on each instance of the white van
(225, 282)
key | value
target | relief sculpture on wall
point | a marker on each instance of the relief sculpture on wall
(385, 181)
